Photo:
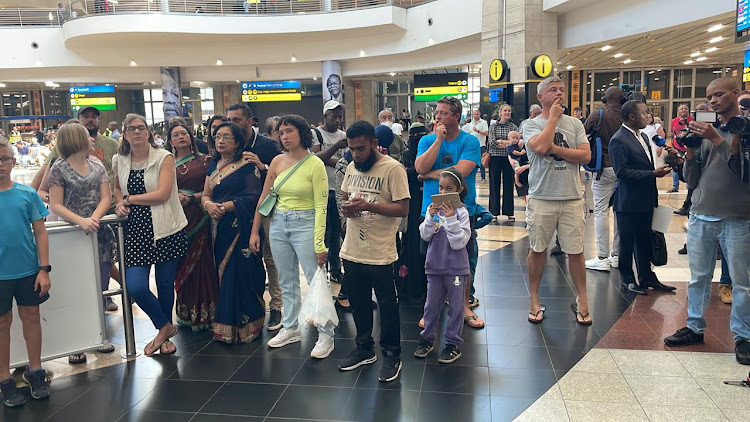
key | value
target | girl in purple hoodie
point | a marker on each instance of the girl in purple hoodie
(447, 267)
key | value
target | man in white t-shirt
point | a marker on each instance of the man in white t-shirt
(329, 143)
(478, 127)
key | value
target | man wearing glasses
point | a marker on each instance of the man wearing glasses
(449, 146)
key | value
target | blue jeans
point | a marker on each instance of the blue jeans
(725, 279)
(159, 310)
(675, 180)
(292, 244)
(703, 240)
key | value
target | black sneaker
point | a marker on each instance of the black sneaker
(683, 251)
(424, 348)
(473, 302)
(450, 354)
(274, 320)
(742, 352)
(683, 337)
(38, 383)
(357, 358)
(10, 394)
(391, 367)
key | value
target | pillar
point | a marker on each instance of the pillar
(517, 30)
(170, 88)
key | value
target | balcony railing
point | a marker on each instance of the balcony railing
(74, 9)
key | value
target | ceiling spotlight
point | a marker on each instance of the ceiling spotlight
(133, 63)
(700, 59)
(618, 55)
(49, 83)
(392, 73)
(361, 53)
(430, 41)
(715, 39)
(2, 85)
(715, 28)
(711, 50)
(237, 80)
(294, 59)
(651, 72)
(695, 54)
(627, 61)
(50, 17)
(38, 63)
(569, 67)
(689, 62)
(219, 62)
(315, 78)
(606, 47)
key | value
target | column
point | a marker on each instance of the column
(517, 30)
(170, 88)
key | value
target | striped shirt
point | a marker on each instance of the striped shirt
(498, 132)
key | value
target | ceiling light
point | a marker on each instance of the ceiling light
(651, 72)
(392, 73)
(430, 41)
(38, 63)
(606, 47)
(49, 83)
(711, 50)
(715, 39)
(689, 62)
(361, 53)
(627, 61)
(618, 55)
(716, 71)
(237, 80)
(2, 85)
(219, 62)
(153, 82)
(133, 63)
(715, 28)
(695, 54)
(569, 67)
(700, 59)
(50, 17)
(656, 79)
(315, 78)
(294, 59)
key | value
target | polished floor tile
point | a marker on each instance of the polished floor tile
(244, 399)
(453, 407)
(381, 405)
(312, 402)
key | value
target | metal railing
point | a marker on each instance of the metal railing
(74, 9)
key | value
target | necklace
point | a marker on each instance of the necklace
(185, 166)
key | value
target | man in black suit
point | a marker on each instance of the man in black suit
(635, 198)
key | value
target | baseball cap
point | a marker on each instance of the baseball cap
(332, 104)
(89, 108)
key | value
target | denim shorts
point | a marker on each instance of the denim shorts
(22, 289)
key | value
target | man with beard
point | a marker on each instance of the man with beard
(104, 148)
(375, 196)
(260, 150)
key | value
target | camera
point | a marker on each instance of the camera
(629, 93)
(674, 160)
(741, 125)
(691, 140)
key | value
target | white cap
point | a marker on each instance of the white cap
(332, 104)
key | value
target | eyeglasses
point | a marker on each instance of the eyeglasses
(132, 129)
(179, 134)
(6, 160)
(219, 137)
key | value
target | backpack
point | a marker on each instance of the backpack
(319, 136)
(595, 142)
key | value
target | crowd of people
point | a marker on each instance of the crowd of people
(216, 227)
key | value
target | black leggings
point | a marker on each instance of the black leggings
(500, 169)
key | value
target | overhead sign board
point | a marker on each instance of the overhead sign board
(99, 96)
(499, 71)
(541, 66)
(742, 32)
(428, 88)
(746, 67)
(256, 92)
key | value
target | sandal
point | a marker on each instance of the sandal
(421, 323)
(77, 359)
(170, 348)
(534, 317)
(107, 348)
(473, 321)
(582, 321)
(154, 348)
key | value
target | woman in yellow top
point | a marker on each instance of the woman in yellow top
(298, 225)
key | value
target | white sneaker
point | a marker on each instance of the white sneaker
(598, 264)
(614, 261)
(284, 337)
(323, 347)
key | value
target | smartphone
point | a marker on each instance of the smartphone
(452, 197)
(705, 116)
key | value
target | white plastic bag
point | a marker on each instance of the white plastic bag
(317, 308)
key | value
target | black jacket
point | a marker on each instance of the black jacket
(635, 190)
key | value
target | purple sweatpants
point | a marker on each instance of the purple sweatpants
(440, 288)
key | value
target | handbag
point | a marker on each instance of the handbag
(485, 159)
(269, 202)
(658, 248)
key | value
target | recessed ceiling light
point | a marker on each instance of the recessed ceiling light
(569, 67)
(695, 54)
(715, 28)
(651, 72)
(715, 39)
(606, 47)
(430, 41)
(618, 55)
(133, 63)
(237, 80)
(711, 50)
(656, 79)
(294, 59)
(153, 82)
(700, 59)
(315, 78)
(716, 71)
(361, 53)
(689, 62)
(2, 85)
(392, 73)
(219, 62)
(627, 61)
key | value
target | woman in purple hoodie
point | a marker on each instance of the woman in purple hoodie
(447, 267)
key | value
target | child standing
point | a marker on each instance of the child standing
(520, 162)
(448, 231)
(24, 275)
(80, 194)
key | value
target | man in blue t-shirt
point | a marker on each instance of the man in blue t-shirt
(447, 147)
(24, 276)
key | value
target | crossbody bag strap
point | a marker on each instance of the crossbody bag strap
(291, 172)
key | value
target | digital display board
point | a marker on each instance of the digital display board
(257, 92)
(429, 88)
(497, 94)
(99, 96)
(743, 15)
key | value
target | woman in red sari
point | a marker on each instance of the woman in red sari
(196, 283)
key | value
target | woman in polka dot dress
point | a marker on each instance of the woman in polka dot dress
(146, 191)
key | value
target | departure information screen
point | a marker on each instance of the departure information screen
(99, 96)
(743, 15)
(428, 88)
(256, 92)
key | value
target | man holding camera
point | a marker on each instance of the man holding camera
(603, 184)
(635, 197)
(719, 216)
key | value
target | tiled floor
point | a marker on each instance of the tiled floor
(560, 369)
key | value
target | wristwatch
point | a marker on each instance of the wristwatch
(45, 268)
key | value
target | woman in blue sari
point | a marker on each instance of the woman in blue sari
(230, 197)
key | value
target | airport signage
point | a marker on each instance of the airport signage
(257, 92)
(100, 96)
(430, 88)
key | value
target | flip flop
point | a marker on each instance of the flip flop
(533, 317)
(582, 321)
(167, 343)
(155, 348)
(468, 320)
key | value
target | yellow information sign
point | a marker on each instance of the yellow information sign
(441, 90)
(541, 66)
(92, 101)
(656, 95)
(498, 70)
(746, 74)
(271, 97)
